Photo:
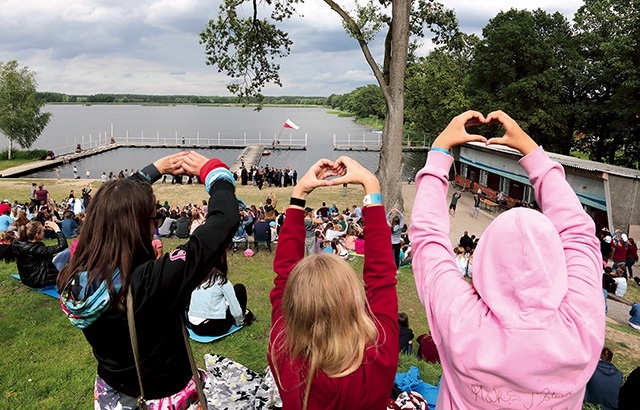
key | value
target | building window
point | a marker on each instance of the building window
(483, 177)
(463, 170)
(528, 194)
(504, 185)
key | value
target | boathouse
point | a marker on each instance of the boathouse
(609, 193)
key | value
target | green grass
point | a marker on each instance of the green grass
(47, 363)
(6, 164)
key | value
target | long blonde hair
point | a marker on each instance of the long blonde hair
(326, 313)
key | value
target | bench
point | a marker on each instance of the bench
(488, 204)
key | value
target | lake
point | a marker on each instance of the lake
(86, 125)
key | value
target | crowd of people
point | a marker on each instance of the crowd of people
(530, 287)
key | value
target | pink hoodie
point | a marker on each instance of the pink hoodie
(531, 336)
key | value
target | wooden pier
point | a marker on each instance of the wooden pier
(250, 156)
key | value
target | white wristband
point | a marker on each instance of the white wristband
(372, 199)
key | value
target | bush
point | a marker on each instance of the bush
(34, 154)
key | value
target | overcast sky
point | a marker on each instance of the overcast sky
(152, 46)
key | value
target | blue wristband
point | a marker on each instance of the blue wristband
(438, 149)
(372, 199)
(218, 174)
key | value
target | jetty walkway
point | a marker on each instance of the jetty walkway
(250, 156)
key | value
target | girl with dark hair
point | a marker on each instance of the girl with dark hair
(115, 255)
(216, 305)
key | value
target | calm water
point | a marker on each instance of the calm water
(73, 124)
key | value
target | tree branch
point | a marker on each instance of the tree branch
(363, 45)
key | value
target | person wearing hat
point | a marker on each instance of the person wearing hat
(310, 222)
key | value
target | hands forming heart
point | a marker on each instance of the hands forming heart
(456, 133)
(345, 169)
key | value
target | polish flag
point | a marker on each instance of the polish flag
(289, 124)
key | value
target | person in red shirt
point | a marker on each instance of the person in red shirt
(332, 344)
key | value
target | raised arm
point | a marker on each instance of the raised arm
(290, 248)
(436, 273)
(561, 205)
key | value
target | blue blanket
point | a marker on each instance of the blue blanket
(209, 339)
(410, 381)
(51, 290)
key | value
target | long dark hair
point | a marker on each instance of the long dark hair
(218, 273)
(116, 234)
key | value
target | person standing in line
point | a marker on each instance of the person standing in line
(530, 298)
(75, 172)
(310, 223)
(476, 206)
(104, 177)
(454, 203)
(632, 255)
(395, 219)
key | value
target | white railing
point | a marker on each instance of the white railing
(90, 142)
(369, 141)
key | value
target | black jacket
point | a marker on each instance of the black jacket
(35, 261)
(161, 292)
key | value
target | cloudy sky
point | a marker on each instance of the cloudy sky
(152, 46)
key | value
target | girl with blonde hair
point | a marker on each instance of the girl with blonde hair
(333, 345)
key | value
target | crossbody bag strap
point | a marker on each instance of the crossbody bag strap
(134, 346)
(194, 368)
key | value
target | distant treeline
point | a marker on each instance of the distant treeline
(52, 97)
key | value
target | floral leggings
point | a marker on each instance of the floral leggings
(108, 398)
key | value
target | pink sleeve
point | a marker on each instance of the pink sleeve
(577, 232)
(436, 273)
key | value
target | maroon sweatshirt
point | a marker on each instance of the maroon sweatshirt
(368, 387)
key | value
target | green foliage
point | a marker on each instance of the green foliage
(608, 31)
(365, 101)
(31, 155)
(20, 117)
(522, 67)
(244, 48)
(435, 92)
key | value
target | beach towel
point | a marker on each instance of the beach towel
(209, 339)
(51, 290)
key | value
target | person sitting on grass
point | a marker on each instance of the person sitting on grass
(39, 264)
(406, 334)
(332, 345)
(604, 386)
(216, 305)
(634, 320)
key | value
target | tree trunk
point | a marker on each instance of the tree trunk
(10, 150)
(389, 171)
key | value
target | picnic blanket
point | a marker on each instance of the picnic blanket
(209, 339)
(51, 290)
(231, 386)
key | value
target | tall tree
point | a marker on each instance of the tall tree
(609, 124)
(525, 66)
(20, 117)
(245, 48)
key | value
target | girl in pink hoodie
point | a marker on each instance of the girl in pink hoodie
(528, 333)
